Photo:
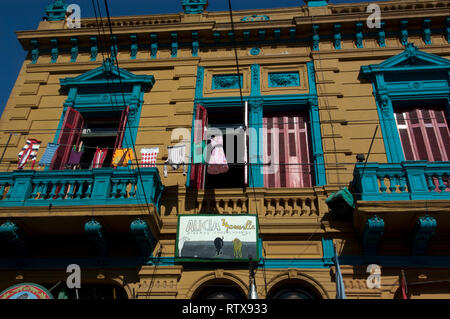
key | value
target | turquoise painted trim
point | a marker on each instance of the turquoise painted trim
(154, 45)
(114, 48)
(316, 132)
(404, 32)
(94, 231)
(143, 236)
(373, 231)
(316, 3)
(94, 48)
(255, 51)
(102, 187)
(256, 147)
(255, 17)
(416, 175)
(74, 50)
(256, 82)
(56, 11)
(426, 35)
(328, 251)
(315, 37)
(382, 35)
(424, 229)
(34, 51)
(283, 79)
(447, 29)
(337, 36)
(199, 82)
(412, 75)
(195, 43)
(194, 6)
(262, 35)
(134, 47)
(277, 34)
(226, 81)
(174, 45)
(55, 50)
(359, 35)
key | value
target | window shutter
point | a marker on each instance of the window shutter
(122, 127)
(287, 149)
(70, 135)
(424, 134)
(404, 132)
(198, 169)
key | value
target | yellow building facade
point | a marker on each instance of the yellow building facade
(347, 79)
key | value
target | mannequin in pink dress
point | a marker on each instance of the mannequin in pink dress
(217, 162)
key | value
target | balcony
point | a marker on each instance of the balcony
(101, 186)
(410, 180)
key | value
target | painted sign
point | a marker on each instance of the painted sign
(217, 237)
(26, 291)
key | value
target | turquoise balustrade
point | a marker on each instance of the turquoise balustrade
(415, 180)
(99, 186)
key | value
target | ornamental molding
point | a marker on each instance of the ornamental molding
(284, 79)
(226, 81)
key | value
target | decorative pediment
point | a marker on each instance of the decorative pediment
(412, 59)
(108, 74)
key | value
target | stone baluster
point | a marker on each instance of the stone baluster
(392, 183)
(383, 187)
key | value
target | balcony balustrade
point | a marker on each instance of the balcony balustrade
(269, 202)
(99, 186)
(410, 180)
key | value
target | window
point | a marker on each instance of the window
(228, 123)
(424, 133)
(92, 129)
(287, 151)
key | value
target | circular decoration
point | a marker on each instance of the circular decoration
(26, 291)
(105, 97)
(255, 51)
(416, 85)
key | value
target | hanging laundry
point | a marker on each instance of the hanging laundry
(217, 162)
(122, 157)
(74, 158)
(148, 156)
(176, 157)
(50, 151)
(99, 157)
(29, 151)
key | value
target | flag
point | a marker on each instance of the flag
(403, 286)
(340, 290)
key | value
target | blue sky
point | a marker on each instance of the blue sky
(20, 15)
